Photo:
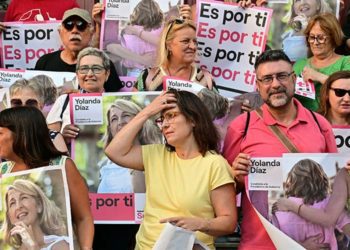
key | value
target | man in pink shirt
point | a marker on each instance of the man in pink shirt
(246, 138)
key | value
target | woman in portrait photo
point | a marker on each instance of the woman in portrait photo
(32, 221)
(116, 179)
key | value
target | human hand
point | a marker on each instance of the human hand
(311, 243)
(69, 132)
(246, 107)
(282, 204)
(27, 235)
(241, 166)
(261, 3)
(310, 74)
(148, 59)
(2, 27)
(246, 4)
(163, 101)
(189, 223)
(131, 30)
(185, 11)
(97, 12)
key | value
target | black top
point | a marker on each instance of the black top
(53, 62)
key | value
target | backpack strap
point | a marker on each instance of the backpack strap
(246, 124)
(65, 104)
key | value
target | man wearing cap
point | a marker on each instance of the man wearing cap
(76, 32)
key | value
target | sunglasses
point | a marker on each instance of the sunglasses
(341, 92)
(171, 24)
(29, 102)
(80, 24)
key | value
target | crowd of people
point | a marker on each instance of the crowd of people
(194, 158)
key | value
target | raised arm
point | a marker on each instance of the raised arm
(121, 150)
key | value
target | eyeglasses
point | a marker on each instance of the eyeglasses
(168, 117)
(281, 77)
(341, 92)
(171, 24)
(29, 102)
(96, 69)
(320, 39)
(80, 24)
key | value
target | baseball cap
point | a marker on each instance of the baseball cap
(83, 14)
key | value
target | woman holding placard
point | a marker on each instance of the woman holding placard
(176, 58)
(26, 144)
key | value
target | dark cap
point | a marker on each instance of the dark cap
(83, 14)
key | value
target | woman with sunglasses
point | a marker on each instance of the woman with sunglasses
(30, 93)
(323, 34)
(335, 99)
(93, 70)
(176, 58)
(188, 184)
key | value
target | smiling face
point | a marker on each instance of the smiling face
(339, 106)
(277, 93)
(118, 119)
(22, 207)
(184, 45)
(320, 49)
(306, 8)
(92, 82)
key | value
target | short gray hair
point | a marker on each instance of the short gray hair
(90, 51)
(22, 83)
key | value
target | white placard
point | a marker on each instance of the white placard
(265, 174)
(86, 109)
(22, 44)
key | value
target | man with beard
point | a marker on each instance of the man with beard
(76, 32)
(250, 135)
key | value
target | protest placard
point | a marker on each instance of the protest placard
(86, 109)
(116, 193)
(58, 79)
(229, 40)
(128, 83)
(342, 138)
(123, 22)
(22, 44)
(306, 89)
(308, 179)
(265, 174)
(49, 216)
(179, 84)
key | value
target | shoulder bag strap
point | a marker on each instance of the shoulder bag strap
(279, 134)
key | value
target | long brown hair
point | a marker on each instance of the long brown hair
(31, 139)
(195, 111)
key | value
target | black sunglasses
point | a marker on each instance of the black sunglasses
(340, 92)
(80, 24)
(29, 102)
(171, 24)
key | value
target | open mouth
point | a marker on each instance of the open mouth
(21, 215)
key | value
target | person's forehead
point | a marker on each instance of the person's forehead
(268, 68)
(91, 60)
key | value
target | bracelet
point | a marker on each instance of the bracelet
(299, 208)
